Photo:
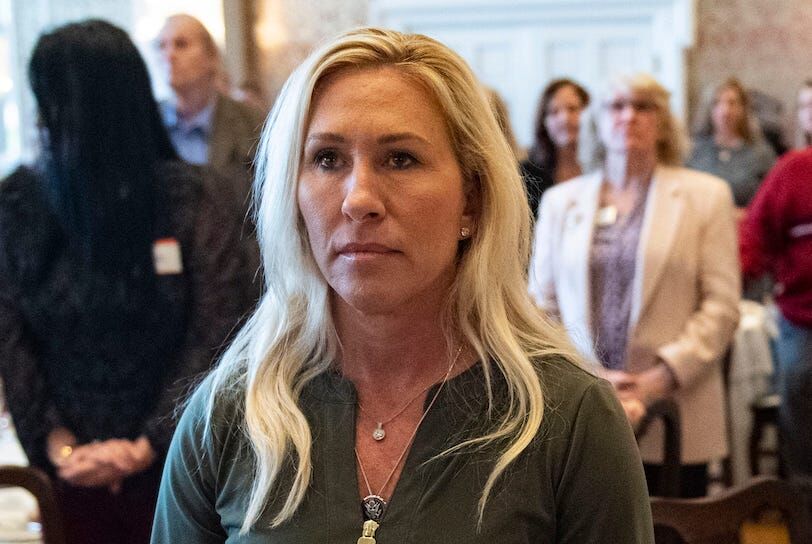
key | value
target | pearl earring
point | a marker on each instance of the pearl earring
(465, 232)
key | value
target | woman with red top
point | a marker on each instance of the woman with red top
(776, 237)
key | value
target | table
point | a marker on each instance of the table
(17, 506)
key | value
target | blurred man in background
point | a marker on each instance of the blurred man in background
(206, 126)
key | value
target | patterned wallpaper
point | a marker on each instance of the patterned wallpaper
(287, 30)
(765, 43)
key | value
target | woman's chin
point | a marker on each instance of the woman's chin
(368, 300)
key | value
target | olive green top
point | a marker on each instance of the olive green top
(580, 481)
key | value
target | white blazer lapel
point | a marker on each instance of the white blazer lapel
(574, 293)
(664, 207)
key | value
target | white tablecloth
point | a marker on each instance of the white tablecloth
(17, 506)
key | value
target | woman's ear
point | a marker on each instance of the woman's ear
(473, 204)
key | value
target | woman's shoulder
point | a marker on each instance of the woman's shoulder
(796, 160)
(194, 188)
(703, 144)
(206, 461)
(564, 381)
(210, 420)
(20, 192)
(27, 228)
(565, 192)
(763, 152)
(703, 141)
(185, 202)
(693, 181)
(708, 197)
(211, 412)
(586, 450)
(180, 181)
(577, 401)
(702, 153)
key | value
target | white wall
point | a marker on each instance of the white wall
(517, 46)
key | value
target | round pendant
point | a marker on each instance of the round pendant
(378, 434)
(373, 507)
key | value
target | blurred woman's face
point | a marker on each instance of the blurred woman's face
(728, 111)
(805, 110)
(630, 123)
(381, 192)
(563, 116)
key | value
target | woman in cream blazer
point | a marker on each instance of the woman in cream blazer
(680, 284)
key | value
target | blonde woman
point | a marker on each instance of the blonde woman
(396, 383)
(639, 262)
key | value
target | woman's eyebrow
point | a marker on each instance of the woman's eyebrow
(385, 139)
(400, 136)
(326, 137)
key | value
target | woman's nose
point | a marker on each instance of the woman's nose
(628, 112)
(363, 201)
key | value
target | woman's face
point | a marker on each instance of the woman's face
(805, 110)
(381, 192)
(563, 116)
(630, 123)
(728, 111)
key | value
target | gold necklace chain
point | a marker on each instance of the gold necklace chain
(376, 498)
(379, 433)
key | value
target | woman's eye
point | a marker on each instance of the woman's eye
(401, 160)
(326, 160)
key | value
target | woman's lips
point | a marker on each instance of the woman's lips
(365, 251)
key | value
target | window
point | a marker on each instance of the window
(10, 135)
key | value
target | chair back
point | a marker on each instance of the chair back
(38, 484)
(719, 519)
(667, 411)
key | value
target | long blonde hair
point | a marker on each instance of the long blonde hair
(290, 339)
(672, 141)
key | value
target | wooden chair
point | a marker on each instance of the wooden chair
(38, 484)
(719, 519)
(668, 412)
(725, 478)
(765, 413)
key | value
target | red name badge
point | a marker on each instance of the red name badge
(166, 256)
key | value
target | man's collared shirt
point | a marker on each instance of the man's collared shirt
(189, 136)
